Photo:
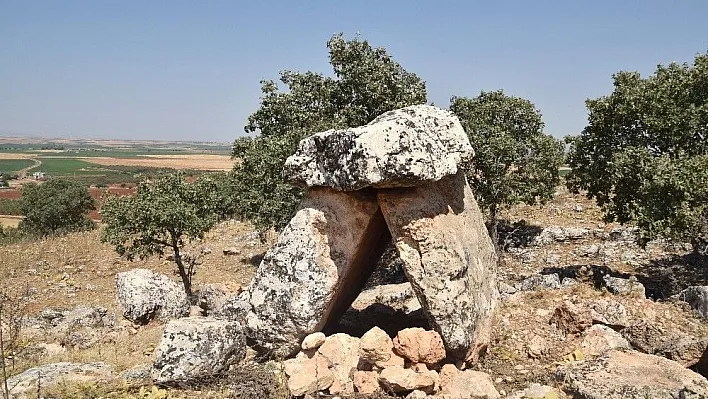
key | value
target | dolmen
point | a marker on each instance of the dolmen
(397, 178)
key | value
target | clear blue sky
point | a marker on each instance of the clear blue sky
(190, 70)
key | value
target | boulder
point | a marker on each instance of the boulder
(697, 297)
(307, 375)
(399, 297)
(342, 353)
(560, 234)
(419, 346)
(145, 295)
(400, 148)
(366, 382)
(449, 259)
(315, 270)
(624, 286)
(196, 347)
(313, 341)
(621, 374)
(398, 380)
(645, 336)
(211, 298)
(682, 348)
(25, 384)
(599, 338)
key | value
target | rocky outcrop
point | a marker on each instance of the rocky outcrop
(316, 269)
(25, 384)
(196, 347)
(448, 258)
(145, 295)
(401, 148)
(630, 375)
(624, 286)
(697, 297)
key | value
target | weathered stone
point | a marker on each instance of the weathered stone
(419, 346)
(313, 341)
(571, 319)
(25, 384)
(375, 346)
(400, 148)
(316, 269)
(468, 384)
(211, 298)
(535, 391)
(307, 375)
(599, 338)
(536, 347)
(139, 373)
(366, 382)
(697, 297)
(610, 313)
(448, 258)
(560, 234)
(540, 281)
(630, 375)
(684, 349)
(624, 286)
(399, 297)
(145, 295)
(417, 395)
(397, 379)
(342, 352)
(645, 336)
(196, 347)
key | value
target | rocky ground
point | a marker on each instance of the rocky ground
(581, 304)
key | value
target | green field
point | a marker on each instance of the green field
(14, 165)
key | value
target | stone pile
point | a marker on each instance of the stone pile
(400, 177)
(410, 363)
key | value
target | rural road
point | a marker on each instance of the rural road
(23, 172)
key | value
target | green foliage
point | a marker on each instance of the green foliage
(641, 154)
(56, 206)
(514, 160)
(366, 83)
(163, 213)
(10, 207)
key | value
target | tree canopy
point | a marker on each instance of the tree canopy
(161, 215)
(514, 160)
(642, 154)
(366, 83)
(56, 206)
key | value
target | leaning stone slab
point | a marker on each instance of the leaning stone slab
(196, 347)
(448, 258)
(314, 272)
(400, 148)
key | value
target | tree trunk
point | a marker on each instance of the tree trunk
(183, 273)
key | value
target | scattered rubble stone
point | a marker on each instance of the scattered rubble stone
(539, 281)
(366, 382)
(468, 384)
(623, 286)
(307, 375)
(570, 318)
(610, 313)
(313, 341)
(399, 380)
(599, 338)
(419, 346)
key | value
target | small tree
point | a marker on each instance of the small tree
(161, 215)
(367, 83)
(643, 153)
(514, 160)
(56, 206)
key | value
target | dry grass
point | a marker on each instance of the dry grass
(194, 161)
(13, 155)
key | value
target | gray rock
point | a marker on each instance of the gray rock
(646, 337)
(211, 298)
(316, 269)
(610, 313)
(599, 338)
(25, 384)
(535, 391)
(568, 282)
(506, 289)
(560, 234)
(682, 348)
(588, 250)
(196, 347)
(539, 281)
(625, 374)
(399, 297)
(623, 286)
(139, 373)
(400, 148)
(448, 258)
(697, 297)
(145, 295)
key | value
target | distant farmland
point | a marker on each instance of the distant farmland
(14, 165)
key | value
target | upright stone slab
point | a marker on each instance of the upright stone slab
(448, 258)
(401, 148)
(316, 269)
